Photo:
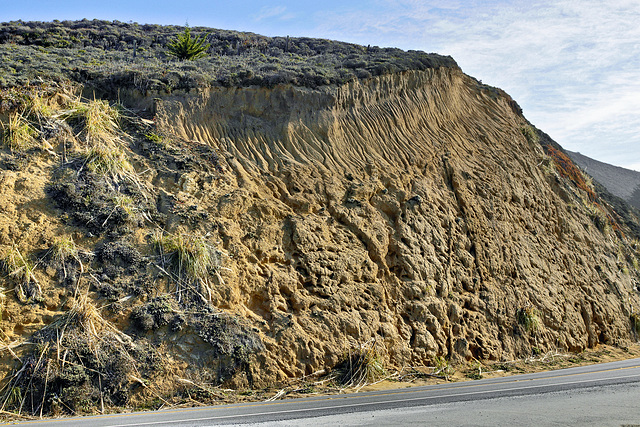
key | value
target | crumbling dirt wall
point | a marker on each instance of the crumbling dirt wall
(408, 209)
(407, 213)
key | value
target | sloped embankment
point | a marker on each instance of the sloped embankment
(411, 209)
(414, 212)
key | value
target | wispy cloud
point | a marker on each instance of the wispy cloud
(273, 12)
(574, 66)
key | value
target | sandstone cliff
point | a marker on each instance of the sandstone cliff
(417, 211)
(413, 209)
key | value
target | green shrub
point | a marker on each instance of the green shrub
(635, 322)
(100, 56)
(530, 134)
(475, 373)
(185, 47)
(154, 137)
(442, 367)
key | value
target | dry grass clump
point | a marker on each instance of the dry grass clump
(102, 143)
(39, 106)
(192, 261)
(362, 366)
(99, 121)
(100, 136)
(108, 160)
(15, 265)
(86, 317)
(63, 251)
(529, 318)
(81, 363)
(33, 113)
(18, 134)
(46, 117)
(95, 123)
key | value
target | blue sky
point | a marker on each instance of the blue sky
(572, 65)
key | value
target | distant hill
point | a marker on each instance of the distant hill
(621, 182)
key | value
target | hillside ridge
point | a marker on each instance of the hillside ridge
(624, 183)
(110, 56)
(162, 246)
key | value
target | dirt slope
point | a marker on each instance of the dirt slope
(415, 214)
(448, 211)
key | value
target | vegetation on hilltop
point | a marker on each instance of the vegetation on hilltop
(107, 54)
(185, 47)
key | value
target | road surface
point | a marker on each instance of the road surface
(603, 394)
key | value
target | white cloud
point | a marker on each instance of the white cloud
(574, 66)
(267, 12)
(633, 166)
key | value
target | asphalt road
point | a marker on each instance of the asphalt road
(518, 395)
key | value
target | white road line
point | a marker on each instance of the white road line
(455, 386)
(353, 405)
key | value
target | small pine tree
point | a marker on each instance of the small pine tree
(186, 47)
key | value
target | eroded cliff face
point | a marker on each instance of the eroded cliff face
(415, 213)
(407, 209)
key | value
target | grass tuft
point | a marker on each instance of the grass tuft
(108, 160)
(362, 366)
(529, 318)
(18, 134)
(192, 261)
(63, 250)
(15, 265)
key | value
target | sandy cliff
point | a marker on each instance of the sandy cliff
(407, 210)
